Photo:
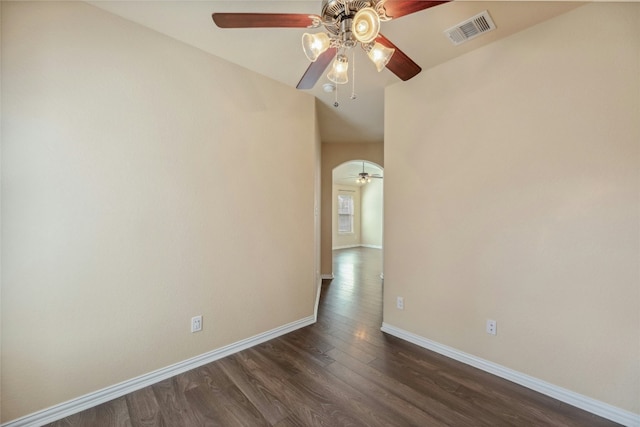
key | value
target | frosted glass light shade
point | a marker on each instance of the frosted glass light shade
(366, 25)
(338, 73)
(380, 55)
(314, 45)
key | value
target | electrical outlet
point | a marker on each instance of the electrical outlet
(400, 303)
(492, 327)
(196, 324)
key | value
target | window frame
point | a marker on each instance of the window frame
(347, 210)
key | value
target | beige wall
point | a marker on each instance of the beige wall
(0, 214)
(512, 193)
(134, 197)
(332, 156)
(372, 213)
(317, 206)
(346, 240)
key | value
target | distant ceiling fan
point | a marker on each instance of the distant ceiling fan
(365, 177)
(347, 24)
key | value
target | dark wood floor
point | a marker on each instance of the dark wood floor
(341, 371)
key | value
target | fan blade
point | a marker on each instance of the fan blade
(400, 64)
(398, 8)
(264, 20)
(315, 70)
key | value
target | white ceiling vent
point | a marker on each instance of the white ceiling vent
(471, 28)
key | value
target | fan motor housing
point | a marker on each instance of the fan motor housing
(334, 12)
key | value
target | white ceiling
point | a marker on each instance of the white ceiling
(277, 52)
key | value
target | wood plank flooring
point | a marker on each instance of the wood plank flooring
(341, 371)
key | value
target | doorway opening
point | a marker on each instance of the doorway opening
(357, 223)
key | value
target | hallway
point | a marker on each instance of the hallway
(356, 290)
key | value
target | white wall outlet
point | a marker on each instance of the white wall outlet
(492, 327)
(400, 303)
(196, 324)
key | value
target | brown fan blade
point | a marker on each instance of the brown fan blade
(263, 20)
(398, 8)
(400, 64)
(315, 70)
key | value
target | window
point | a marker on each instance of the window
(345, 213)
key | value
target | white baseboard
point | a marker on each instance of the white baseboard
(567, 396)
(356, 246)
(372, 246)
(345, 247)
(90, 400)
(327, 276)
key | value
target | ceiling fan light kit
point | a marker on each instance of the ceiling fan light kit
(338, 73)
(346, 23)
(380, 55)
(315, 45)
(366, 25)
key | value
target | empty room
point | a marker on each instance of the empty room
(167, 252)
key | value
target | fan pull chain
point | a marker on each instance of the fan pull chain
(353, 74)
(336, 103)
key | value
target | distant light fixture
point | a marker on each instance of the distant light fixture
(364, 177)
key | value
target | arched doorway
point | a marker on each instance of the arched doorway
(357, 208)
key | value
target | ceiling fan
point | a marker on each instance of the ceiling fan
(365, 177)
(347, 23)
